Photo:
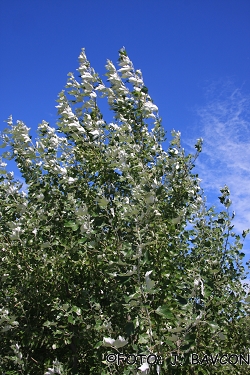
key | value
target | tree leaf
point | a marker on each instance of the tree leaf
(164, 311)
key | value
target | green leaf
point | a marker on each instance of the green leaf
(173, 338)
(143, 339)
(214, 326)
(247, 299)
(82, 240)
(65, 306)
(129, 328)
(144, 89)
(77, 310)
(71, 319)
(103, 202)
(170, 343)
(164, 311)
(72, 225)
(98, 344)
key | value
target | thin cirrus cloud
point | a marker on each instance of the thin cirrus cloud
(224, 125)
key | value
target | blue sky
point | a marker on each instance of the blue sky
(195, 60)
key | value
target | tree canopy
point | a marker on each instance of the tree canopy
(111, 261)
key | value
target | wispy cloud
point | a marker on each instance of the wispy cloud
(224, 124)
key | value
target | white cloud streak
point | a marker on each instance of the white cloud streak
(224, 125)
(225, 158)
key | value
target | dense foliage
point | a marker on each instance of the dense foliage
(109, 246)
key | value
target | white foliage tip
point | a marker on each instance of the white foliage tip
(149, 283)
(118, 343)
(198, 282)
(144, 367)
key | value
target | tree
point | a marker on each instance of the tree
(111, 248)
